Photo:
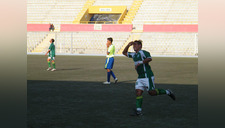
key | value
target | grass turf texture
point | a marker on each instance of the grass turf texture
(74, 97)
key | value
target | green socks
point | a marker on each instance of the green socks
(49, 64)
(139, 100)
(160, 91)
(53, 64)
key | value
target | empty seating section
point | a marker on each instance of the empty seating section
(170, 43)
(167, 11)
(63, 42)
(158, 43)
(88, 42)
(150, 12)
(53, 11)
(34, 39)
(127, 3)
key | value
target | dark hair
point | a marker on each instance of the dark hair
(110, 39)
(138, 42)
(53, 40)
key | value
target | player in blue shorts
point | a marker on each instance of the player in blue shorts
(110, 60)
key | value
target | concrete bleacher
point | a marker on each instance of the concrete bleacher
(150, 11)
(94, 42)
(167, 12)
(157, 43)
(88, 42)
(34, 39)
(53, 11)
(181, 44)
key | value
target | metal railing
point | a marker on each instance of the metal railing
(71, 22)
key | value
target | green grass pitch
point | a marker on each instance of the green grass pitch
(74, 97)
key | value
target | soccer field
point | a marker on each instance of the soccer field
(74, 96)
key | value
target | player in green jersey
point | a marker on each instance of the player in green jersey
(51, 56)
(146, 77)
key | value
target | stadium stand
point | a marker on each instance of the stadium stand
(79, 16)
(167, 12)
(170, 43)
(132, 11)
(159, 43)
(43, 46)
(53, 11)
(34, 39)
(141, 14)
(88, 42)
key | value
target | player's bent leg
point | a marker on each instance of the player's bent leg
(53, 64)
(49, 64)
(114, 77)
(152, 92)
(158, 91)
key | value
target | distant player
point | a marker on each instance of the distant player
(51, 56)
(110, 60)
(146, 77)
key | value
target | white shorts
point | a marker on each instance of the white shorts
(145, 84)
(52, 58)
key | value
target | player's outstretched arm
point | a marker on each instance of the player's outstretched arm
(127, 47)
(47, 52)
(147, 60)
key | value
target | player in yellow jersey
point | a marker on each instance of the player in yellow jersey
(110, 60)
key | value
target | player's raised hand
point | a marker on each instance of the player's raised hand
(107, 44)
(131, 43)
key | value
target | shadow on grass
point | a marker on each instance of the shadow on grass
(83, 104)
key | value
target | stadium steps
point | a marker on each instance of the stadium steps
(43, 46)
(34, 38)
(132, 12)
(82, 12)
(132, 37)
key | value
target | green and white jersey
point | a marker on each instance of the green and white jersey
(143, 70)
(111, 51)
(52, 50)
